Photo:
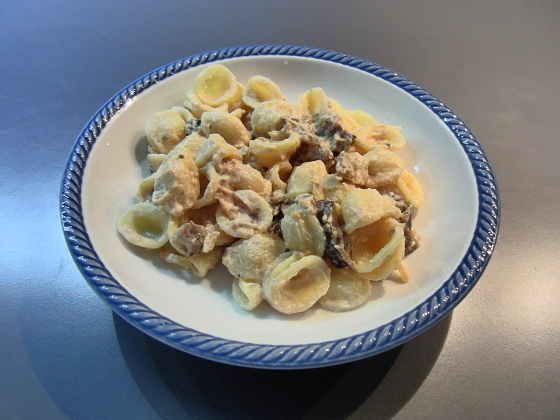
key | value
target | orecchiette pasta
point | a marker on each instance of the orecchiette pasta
(164, 130)
(144, 225)
(244, 214)
(249, 258)
(296, 283)
(260, 89)
(305, 203)
(215, 85)
(228, 126)
(176, 184)
(346, 291)
(301, 228)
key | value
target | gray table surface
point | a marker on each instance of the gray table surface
(64, 355)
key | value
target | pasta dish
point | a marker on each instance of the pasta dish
(304, 203)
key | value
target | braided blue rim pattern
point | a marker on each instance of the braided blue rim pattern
(276, 356)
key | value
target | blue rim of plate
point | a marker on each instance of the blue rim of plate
(344, 350)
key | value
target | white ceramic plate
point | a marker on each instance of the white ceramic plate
(458, 224)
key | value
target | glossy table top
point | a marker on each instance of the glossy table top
(65, 355)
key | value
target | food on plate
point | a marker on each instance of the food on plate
(305, 202)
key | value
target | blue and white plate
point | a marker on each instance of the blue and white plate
(458, 223)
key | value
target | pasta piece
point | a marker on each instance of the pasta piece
(249, 258)
(295, 282)
(214, 150)
(384, 167)
(260, 89)
(403, 271)
(377, 249)
(197, 107)
(278, 175)
(234, 175)
(184, 112)
(271, 116)
(301, 228)
(144, 225)
(363, 118)
(155, 160)
(235, 104)
(312, 102)
(176, 184)
(190, 145)
(146, 188)
(268, 152)
(246, 293)
(164, 130)
(199, 264)
(203, 263)
(228, 126)
(378, 135)
(215, 85)
(209, 197)
(244, 214)
(335, 189)
(167, 253)
(347, 290)
(352, 167)
(411, 189)
(364, 207)
(307, 178)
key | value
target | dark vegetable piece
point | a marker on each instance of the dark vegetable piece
(329, 219)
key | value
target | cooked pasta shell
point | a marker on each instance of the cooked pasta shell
(307, 179)
(376, 249)
(190, 145)
(278, 175)
(235, 175)
(411, 189)
(184, 112)
(197, 108)
(314, 101)
(295, 282)
(144, 225)
(301, 228)
(246, 293)
(215, 85)
(378, 135)
(260, 89)
(362, 207)
(335, 189)
(383, 167)
(146, 188)
(249, 258)
(209, 196)
(199, 264)
(363, 118)
(228, 126)
(347, 290)
(214, 150)
(176, 184)
(352, 167)
(155, 160)
(271, 116)
(243, 214)
(164, 130)
(270, 152)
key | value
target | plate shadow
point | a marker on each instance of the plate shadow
(180, 386)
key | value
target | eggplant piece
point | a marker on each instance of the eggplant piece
(329, 218)
(411, 238)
